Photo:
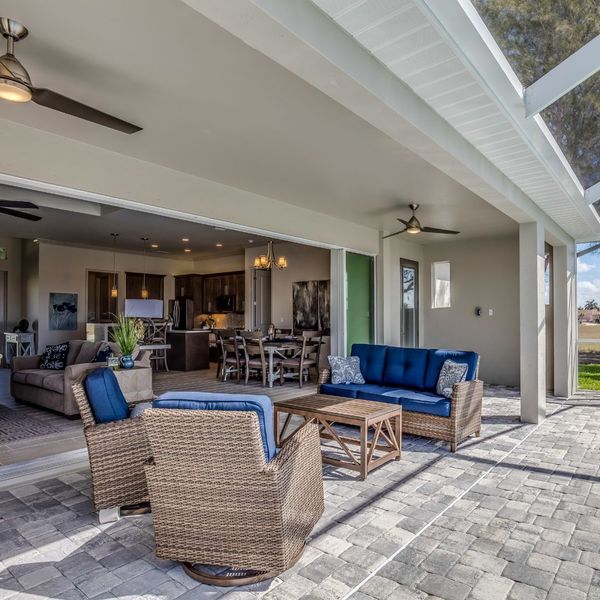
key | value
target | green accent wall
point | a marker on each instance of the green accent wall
(359, 299)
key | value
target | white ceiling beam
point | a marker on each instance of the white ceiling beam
(563, 78)
(592, 194)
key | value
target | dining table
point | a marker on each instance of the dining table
(277, 347)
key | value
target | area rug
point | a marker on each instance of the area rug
(17, 425)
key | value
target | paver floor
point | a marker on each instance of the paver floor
(514, 514)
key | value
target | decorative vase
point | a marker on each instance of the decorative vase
(127, 362)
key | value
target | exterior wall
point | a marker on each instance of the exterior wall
(483, 273)
(64, 269)
(388, 288)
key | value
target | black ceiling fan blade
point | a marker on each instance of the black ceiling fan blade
(17, 204)
(56, 101)
(435, 230)
(19, 214)
(403, 222)
(385, 237)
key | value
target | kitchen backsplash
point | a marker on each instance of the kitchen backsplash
(222, 320)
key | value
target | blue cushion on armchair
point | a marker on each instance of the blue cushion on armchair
(261, 405)
(105, 396)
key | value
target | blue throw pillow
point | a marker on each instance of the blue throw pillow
(105, 396)
(102, 354)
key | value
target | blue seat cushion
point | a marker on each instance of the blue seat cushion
(436, 358)
(372, 361)
(105, 396)
(261, 405)
(353, 390)
(421, 402)
(405, 367)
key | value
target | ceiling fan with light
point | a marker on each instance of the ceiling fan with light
(7, 207)
(16, 86)
(413, 226)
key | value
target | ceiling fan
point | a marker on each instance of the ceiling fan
(413, 226)
(16, 86)
(7, 207)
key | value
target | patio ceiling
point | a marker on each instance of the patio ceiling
(444, 52)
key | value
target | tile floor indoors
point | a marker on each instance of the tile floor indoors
(514, 514)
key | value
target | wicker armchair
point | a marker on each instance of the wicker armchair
(117, 453)
(217, 502)
(464, 419)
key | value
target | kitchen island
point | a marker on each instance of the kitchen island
(189, 349)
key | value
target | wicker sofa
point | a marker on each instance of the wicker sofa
(53, 388)
(408, 376)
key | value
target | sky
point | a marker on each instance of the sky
(588, 277)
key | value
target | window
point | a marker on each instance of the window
(440, 284)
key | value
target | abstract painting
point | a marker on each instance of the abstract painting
(311, 305)
(62, 313)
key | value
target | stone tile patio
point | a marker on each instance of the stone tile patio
(514, 514)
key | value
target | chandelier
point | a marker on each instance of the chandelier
(265, 262)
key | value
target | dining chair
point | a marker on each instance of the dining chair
(303, 360)
(255, 357)
(220, 335)
(230, 358)
(158, 337)
(316, 339)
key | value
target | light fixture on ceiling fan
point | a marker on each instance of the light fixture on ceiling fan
(16, 86)
(413, 226)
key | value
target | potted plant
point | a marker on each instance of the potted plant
(127, 332)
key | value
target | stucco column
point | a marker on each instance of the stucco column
(565, 320)
(532, 320)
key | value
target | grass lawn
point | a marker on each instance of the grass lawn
(589, 377)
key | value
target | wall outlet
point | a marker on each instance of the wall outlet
(491, 312)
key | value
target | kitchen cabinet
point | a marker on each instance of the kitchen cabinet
(205, 289)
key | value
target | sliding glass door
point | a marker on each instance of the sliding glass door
(409, 303)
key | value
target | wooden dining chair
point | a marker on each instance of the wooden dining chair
(303, 360)
(315, 340)
(230, 358)
(255, 357)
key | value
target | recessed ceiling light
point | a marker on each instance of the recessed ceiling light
(153, 245)
(219, 245)
(251, 241)
(185, 239)
(36, 241)
(186, 250)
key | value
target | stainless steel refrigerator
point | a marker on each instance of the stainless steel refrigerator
(182, 313)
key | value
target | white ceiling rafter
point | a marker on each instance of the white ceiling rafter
(572, 71)
(592, 194)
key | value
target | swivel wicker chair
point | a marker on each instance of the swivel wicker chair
(225, 503)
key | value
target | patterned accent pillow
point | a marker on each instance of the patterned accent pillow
(55, 357)
(450, 373)
(345, 370)
(103, 353)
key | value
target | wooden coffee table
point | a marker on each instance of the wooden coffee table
(385, 420)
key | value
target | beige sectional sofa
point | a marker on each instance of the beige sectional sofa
(51, 388)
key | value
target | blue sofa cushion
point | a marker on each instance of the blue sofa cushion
(105, 396)
(422, 402)
(261, 405)
(352, 390)
(436, 358)
(372, 361)
(405, 367)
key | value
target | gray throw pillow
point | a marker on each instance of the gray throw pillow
(451, 373)
(345, 370)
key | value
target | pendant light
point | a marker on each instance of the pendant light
(144, 289)
(114, 291)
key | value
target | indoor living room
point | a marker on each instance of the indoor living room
(70, 273)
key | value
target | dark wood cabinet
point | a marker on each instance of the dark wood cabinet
(155, 284)
(205, 289)
(189, 350)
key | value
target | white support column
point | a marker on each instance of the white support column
(532, 319)
(338, 302)
(565, 320)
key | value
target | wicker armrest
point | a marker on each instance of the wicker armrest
(324, 376)
(303, 446)
(467, 397)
